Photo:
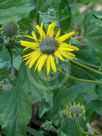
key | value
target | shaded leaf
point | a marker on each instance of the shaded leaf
(15, 9)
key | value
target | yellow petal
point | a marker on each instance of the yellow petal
(66, 36)
(53, 63)
(50, 31)
(36, 55)
(41, 31)
(58, 34)
(65, 45)
(32, 57)
(34, 36)
(67, 55)
(41, 62)
(31, 37)
(28, 55)
(65, 49)
(48, 62)
(31, 45)
(25, 49)
(42, 25)
(57, 54)
(75, 48)
(27, 62)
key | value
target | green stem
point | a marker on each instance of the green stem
(89, 65)
(62, 125)
(11, 57)
(78, 126)
(79, 79)
(86, 67)
(81, 129)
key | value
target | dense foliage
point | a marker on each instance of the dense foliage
(33, 103)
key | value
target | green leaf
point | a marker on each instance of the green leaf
(64, 15)
(87, 90)
(58, 11)
(71, 128)
(99, 91)
(4, 58)
(76, 92)
(44, 4)
(77, 17)
(26, 24)
(15, 108)
(63, 134)
(48, 126)
(15, 9)
(92, 36)
(16, 62)
(95, 106)
(34, 132)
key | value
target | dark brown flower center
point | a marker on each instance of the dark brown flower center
(48, 45)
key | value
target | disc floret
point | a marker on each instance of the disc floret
(48, 45)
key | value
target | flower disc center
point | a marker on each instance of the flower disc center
(76, 110)
(48, 45)
(10, 29)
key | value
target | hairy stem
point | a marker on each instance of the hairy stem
(79, 79)
(86, 67)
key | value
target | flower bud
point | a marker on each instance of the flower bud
(10, 29)
(74, 110)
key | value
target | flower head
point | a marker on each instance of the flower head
(74, 110)
(9, 29)
(48, 46)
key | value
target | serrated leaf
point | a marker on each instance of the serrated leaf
(15, 108)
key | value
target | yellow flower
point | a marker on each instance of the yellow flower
(46, 47)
